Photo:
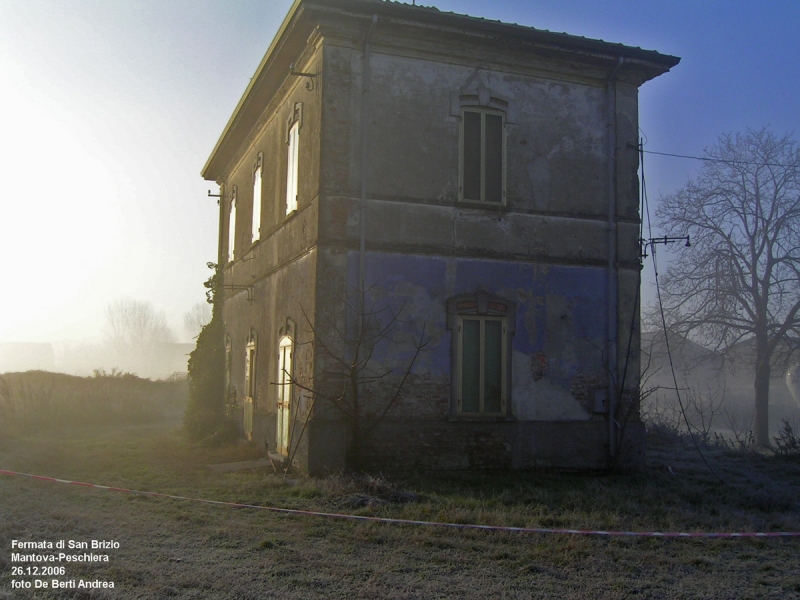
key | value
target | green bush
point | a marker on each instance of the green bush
(205, 418)
(52, 401)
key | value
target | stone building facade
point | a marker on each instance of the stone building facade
(477, 181)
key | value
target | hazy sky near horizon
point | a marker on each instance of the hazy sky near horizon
(109, 109)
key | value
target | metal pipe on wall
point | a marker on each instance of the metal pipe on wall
(362, 205)
(611, 282)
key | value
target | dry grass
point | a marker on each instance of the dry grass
(177, 549)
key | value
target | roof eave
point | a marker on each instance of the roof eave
(212, 171)
(542, 36)
(648, 63)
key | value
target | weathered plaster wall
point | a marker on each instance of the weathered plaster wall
(546, 249)
(269, 138)
(285, 293)
(280, 267)
(404, 445)
(555, 144)
(556, 350)
(337, 136)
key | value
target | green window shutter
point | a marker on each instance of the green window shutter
(472, 155)
(470, 366)
(492, 366)
(493, 158)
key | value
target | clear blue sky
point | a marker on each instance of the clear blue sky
(110, 108)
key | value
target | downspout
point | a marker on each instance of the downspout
(611, 232)
(362, 205)
(221, 204)
(221, 253)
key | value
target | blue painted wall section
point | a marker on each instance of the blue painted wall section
(560, 321)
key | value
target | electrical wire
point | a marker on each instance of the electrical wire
(720, 160)
(646, 206)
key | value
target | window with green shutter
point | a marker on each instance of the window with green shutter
(483, 328)
(482, 152)
(481, 365)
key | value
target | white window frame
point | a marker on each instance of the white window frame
(249, 399)
(284, 403)
(482, 111)
(232, 227)
(478, 305)
(228, 362)
(257, 197)
(482, 319)
(293, 158)
(251, 363)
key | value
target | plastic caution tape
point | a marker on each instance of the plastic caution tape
(312, 513)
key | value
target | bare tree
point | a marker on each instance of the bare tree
(196, 318)
(741, 280)
(352, 380)
(136, 324)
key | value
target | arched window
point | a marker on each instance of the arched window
(484, 114)
(250, 366)
(482, 326)
(258, 170)
(285, 379)
(232, 226)
(228, 361)
(251, 356)
(293, 164)
(483, 156)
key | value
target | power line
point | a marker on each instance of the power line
(721, 160)
(646, 206)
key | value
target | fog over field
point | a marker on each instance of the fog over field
(132, 96)
(219, 485)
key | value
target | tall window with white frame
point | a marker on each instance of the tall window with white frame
(258, 169)
(251, 356)
(483, 156)
(293, 164)
(229, 393)
(232, 227)
(250, 367)
(285, 347)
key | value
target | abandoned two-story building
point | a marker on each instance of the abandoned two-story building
(469, 185)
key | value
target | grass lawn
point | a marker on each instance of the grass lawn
(178, 549)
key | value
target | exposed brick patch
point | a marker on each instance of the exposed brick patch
(420, 446)
(582, 388)
(421, 398)
(488, 450)
(432, 446)
(539, 365)
(339, 212)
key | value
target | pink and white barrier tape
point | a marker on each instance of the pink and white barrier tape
(293, 511)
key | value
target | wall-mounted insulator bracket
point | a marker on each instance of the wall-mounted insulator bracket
(235, 288)
(311, 76)
(644, 244)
